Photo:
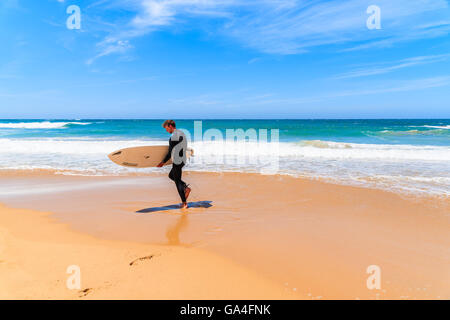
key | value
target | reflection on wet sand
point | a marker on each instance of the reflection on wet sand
(173, 232)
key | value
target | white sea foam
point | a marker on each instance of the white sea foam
(406, 168)
(438, 127)
(39, 125)
(304, 149)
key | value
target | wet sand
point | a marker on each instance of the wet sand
(248, 236)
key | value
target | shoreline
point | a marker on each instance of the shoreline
(307, 239)
(411, 195)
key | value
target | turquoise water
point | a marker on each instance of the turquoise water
(411, 156)
(414, 132)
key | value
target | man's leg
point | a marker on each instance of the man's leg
(175, 174)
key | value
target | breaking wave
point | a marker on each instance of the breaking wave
(39, 125)
(410, 168)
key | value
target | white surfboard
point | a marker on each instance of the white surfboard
(142, 157)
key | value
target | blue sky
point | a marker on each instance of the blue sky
(225, 59)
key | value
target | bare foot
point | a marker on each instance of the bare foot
(184, 205)
(187, 191)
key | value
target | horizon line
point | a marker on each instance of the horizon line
(201, 119)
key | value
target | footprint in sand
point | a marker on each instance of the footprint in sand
(141, 259)
(85, 292)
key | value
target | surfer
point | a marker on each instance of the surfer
(177, 147)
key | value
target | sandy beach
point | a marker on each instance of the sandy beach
(250, 237)
(314, 137)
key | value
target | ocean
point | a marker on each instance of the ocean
(406, 156)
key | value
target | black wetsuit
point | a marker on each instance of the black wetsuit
(178, 164)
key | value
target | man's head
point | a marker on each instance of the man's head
(169, 125)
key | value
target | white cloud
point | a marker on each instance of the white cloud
(403, 86)
(289, 26)
(313, 23)
(109, 46)
(270, 99)
(393, 66)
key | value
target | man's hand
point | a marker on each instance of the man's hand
(160, 165)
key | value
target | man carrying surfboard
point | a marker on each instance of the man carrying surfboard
(177, 151)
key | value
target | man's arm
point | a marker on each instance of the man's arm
(172, 144)
(169, 153)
